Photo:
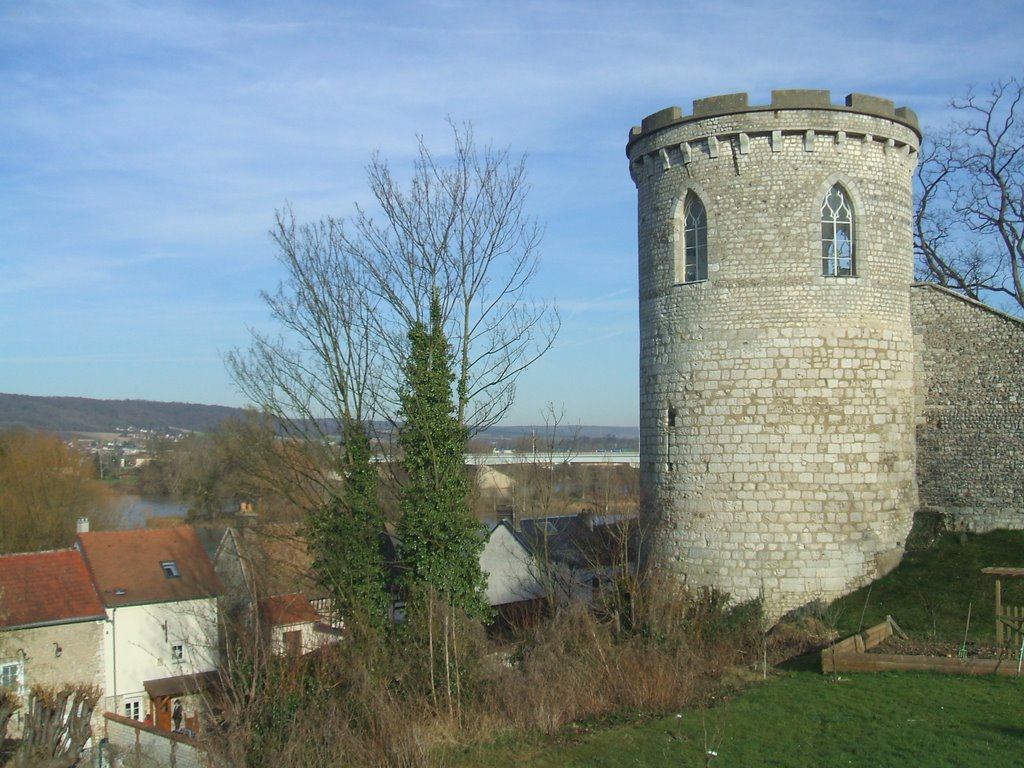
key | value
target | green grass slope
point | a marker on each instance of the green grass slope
(803, 718)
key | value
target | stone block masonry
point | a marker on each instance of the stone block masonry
(777, 403)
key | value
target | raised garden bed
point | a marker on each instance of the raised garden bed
(865, 652)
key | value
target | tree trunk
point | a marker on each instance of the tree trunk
(56, 727)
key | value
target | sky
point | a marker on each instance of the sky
(145, 147)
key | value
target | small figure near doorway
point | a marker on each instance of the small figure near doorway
(177, 714)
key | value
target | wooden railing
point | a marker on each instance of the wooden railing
(1009, 624)
(1009, 618)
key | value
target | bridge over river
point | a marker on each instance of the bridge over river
(558, 457)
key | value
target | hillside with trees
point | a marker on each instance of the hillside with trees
(82, 414)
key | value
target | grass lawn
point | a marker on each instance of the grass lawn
(929, 593)
(804, 719)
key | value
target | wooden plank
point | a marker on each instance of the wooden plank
(876, 634)
(855, 644)
(895, 627)
(849, 645)
(880, 662)
(1003, 571)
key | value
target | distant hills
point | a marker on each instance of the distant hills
(83, 414)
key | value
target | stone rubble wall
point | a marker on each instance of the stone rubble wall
(970, 429)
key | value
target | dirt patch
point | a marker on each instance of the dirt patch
(951, 650)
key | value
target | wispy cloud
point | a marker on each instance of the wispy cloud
(145, 146)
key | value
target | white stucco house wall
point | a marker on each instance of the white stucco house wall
(160, 640)
(511, 569)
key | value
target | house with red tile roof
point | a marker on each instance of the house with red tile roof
(160, 642)
(51, 622)
(270, 587)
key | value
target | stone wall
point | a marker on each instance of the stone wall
(55, 656)
(131, 744)
(970, 431)
(777, 404)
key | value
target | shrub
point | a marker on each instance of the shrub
(394, 700)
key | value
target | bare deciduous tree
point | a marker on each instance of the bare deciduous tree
(55, 726)
(46, 485)
(461, 231)
(462, 226)
(353, 290)
(969, 225)
(317, 376)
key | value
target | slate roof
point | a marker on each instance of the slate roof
(578, 541)
(42, 588)
(128, 566)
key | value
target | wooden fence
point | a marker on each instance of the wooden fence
(1009, 622)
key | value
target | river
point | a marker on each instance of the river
(134, 509)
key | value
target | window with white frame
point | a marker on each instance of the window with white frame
(10, 675)
(133, 709)
(695, 240)
(177, 652)
(837, 234)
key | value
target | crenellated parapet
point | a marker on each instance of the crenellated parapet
(805, 120)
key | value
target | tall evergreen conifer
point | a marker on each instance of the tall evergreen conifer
(346, 536)
(440, 542)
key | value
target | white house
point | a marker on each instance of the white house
(160, 640)
(267, 572)
(513, 575)
(293, 625)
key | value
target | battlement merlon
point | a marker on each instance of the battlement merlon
(734, 103)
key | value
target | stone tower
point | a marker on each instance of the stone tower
(776, 350)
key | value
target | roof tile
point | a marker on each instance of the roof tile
(282, 610)
(127, 566)
(46, 587)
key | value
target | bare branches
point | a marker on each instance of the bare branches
(56, 726)
(319, 375)
(461, 226)
(969, 227)
(354, 289)
(460, 232)
(8, 706)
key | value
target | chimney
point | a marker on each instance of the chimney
(82, 525)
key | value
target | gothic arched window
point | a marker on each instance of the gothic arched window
(837, 234)
(695, 240)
